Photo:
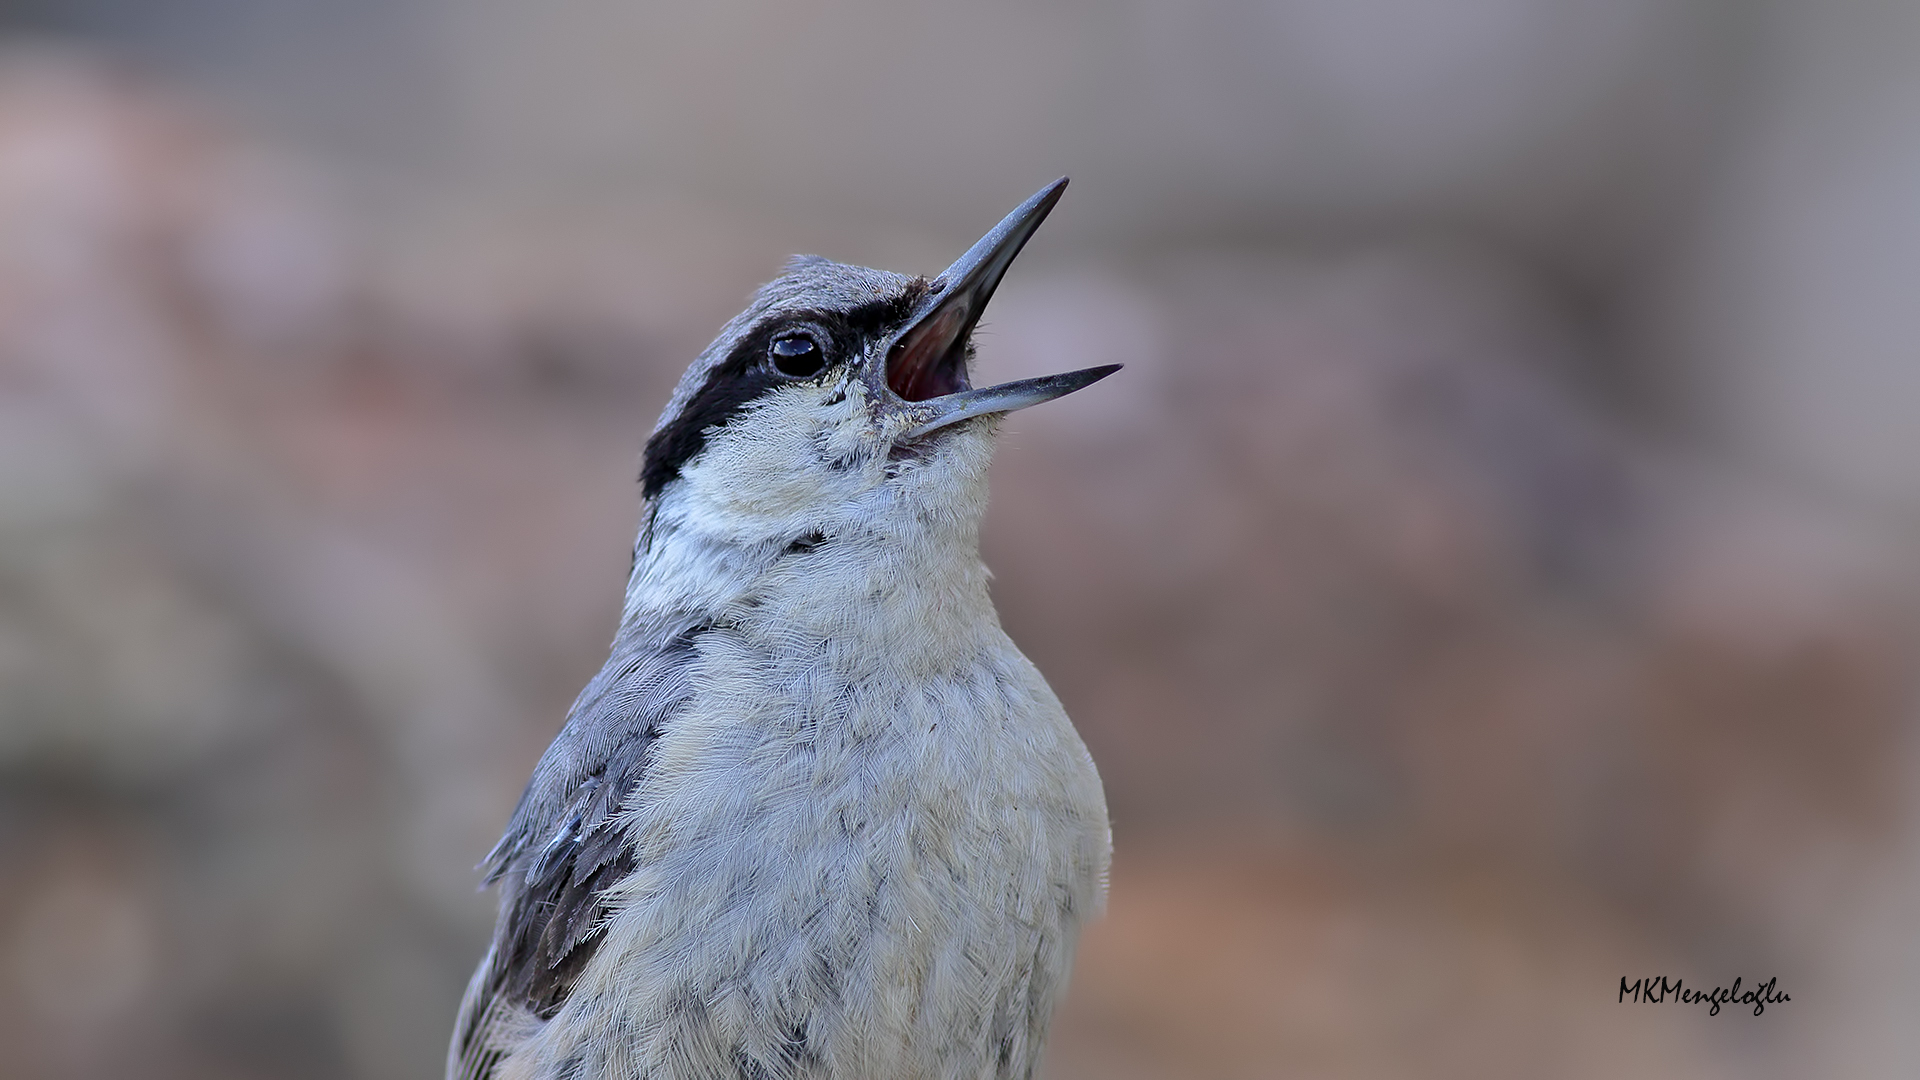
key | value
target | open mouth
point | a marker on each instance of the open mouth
(930, 360)
(927, 366)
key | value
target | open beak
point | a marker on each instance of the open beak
(927, 366)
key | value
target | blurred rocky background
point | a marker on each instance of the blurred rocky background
(1494, 573)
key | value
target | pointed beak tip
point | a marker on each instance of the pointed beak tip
(928, 359)
(1072, 381)
(1005, 398)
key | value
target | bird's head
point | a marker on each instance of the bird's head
(840, 398)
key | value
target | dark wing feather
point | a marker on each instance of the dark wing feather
(565, 846)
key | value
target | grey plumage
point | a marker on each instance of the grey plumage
(817, 817)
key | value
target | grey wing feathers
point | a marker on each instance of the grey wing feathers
(564, 846)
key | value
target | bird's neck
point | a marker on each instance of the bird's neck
(906, 578)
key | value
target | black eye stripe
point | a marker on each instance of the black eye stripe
(720, 400)
(741, 378)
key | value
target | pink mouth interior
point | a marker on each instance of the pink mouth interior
(930, 362)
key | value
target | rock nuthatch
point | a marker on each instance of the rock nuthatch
(817, 817)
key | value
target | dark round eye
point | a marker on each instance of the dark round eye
(798, 355)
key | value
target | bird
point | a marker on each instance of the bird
(817, 817)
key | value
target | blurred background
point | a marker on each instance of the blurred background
(1494, 573)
